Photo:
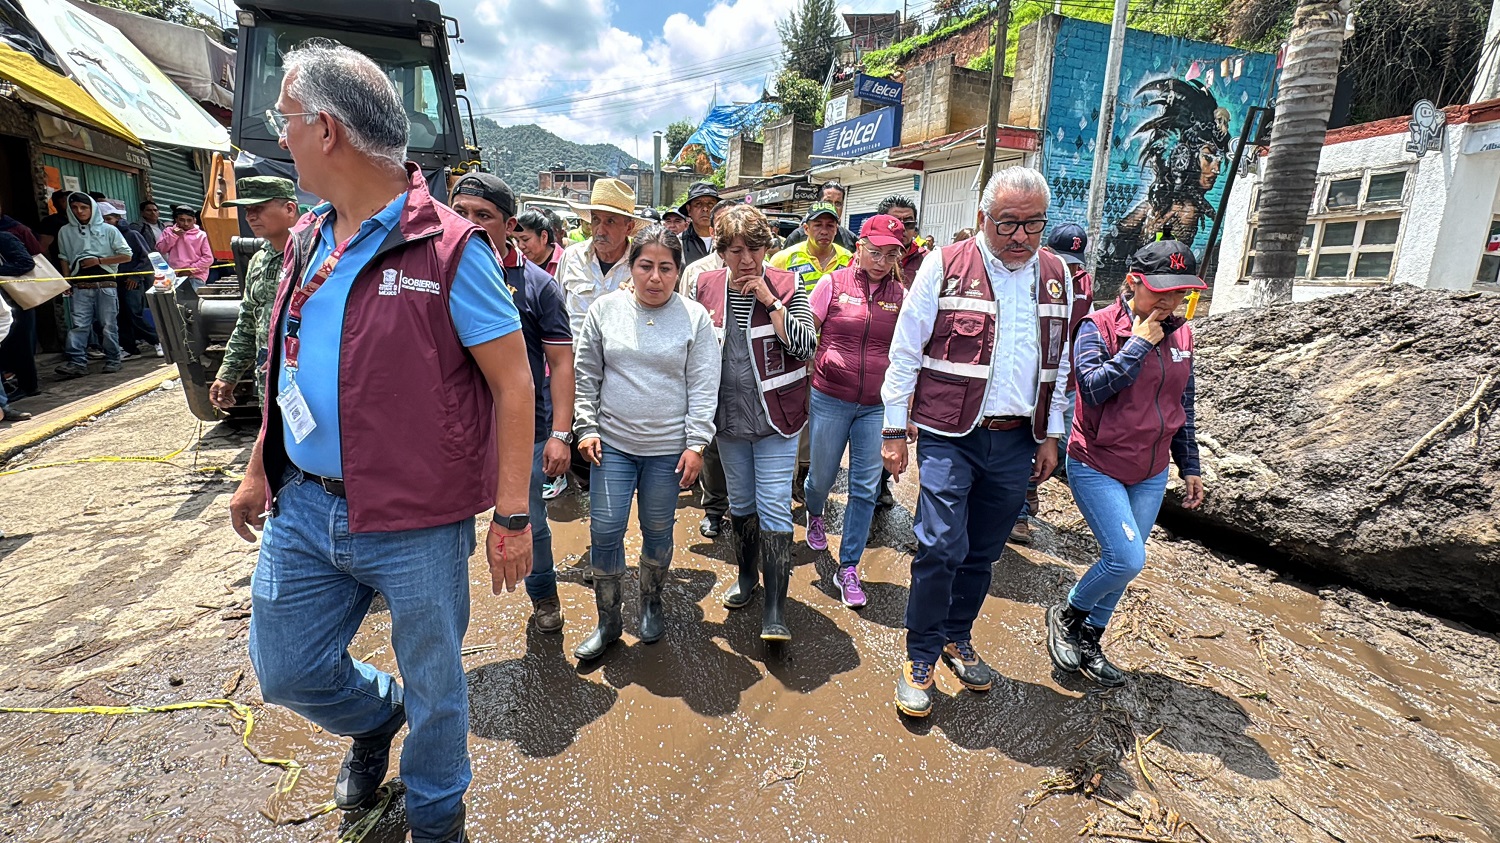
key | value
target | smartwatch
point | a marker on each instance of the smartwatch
(513, 523)
(563, 436)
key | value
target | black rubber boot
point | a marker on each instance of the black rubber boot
(1094, 665)
(776, 559)
(1064, 626)
(608, 598)
(653, 577)
(744, 537)
(365, 765)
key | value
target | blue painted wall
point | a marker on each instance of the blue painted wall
(1166, 186)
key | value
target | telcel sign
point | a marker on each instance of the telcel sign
(864, 134)
(874, 89)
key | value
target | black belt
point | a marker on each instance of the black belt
(329, 484)
(1003, 422)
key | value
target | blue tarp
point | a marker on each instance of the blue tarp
(724, 122)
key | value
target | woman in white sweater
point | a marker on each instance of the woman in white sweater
(647, 373)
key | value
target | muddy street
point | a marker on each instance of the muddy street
(1259, 708)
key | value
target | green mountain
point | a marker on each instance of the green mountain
(518, 153)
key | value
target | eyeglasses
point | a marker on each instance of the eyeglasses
(1009, 226)
(881, 257)
(278, 121)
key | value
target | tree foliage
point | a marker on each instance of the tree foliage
(518, 153)
(172, 11)
(809, 38)
(801, 97)
(678, 131)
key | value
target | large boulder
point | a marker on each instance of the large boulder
(1312, 419)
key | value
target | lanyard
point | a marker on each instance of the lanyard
(293, 346)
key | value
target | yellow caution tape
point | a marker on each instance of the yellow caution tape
(151, 272)
(164, 459)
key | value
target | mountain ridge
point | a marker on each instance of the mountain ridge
(518, 153)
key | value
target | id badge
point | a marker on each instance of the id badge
(295, 410)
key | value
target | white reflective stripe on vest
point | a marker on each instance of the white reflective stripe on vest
(782, 380)
(758, 331)
(963, 370)
(1058, 310)
(1049, 375)
(961, 303)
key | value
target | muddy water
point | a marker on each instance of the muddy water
(1268, 711)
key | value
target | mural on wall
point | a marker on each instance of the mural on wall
(1181, 106)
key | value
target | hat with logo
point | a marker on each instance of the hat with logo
(1166, 266)
(489, 187)
(253, 190)
(883, 230)
(650, 214)
(1069, 241)
(673, 212)
(818, 209)
(611, 195)
(698, 190)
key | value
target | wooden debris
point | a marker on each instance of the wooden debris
(1442, 426)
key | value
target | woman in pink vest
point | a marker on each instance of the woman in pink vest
(855, 308)
(1133, 362)
(186, 247)
(766, 330)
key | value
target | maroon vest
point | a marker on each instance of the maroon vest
(956, 362)
(783, 378)
(1129, 436)
(416, 418)
(854, 346)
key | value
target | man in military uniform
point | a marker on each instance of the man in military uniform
(270, 205)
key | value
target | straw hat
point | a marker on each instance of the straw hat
(610, 195)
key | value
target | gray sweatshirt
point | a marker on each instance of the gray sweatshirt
(647, 379)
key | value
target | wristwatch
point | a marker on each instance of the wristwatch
(564, 436)
(697, 449)
(514, 523)
(776, 305)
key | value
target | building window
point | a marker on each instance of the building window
(1358, 191)
(1354, 229)
(1489, 264)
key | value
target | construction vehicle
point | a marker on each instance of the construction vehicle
(409, 39)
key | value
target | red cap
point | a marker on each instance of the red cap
(883, 230)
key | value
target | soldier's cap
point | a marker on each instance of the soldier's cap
(253, 190)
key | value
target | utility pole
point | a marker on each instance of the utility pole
(656, 170)
(997, 72)
(1487, 82)
(1106, 130)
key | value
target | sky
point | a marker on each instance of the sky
(613, 71)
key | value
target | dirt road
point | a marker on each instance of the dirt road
(1260, 709)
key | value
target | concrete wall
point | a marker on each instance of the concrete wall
(788, 147)
(940, 98)
(745, 162)
(1028, 93)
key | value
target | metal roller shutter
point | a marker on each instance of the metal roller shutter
(865, 197)
(950, 200)
(175, 179)
(115, 184)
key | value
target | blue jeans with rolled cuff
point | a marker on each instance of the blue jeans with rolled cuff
(759, 474)
(833, 425)
(1121, 518)
(619, 478)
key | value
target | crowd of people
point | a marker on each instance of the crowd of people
(660, 352)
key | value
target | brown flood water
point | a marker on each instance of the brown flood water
(1263, 710)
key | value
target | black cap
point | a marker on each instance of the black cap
(673, 212)
(698, 190)
(490, 187)
(650, 214)
(1069, 241)
(1166, 266)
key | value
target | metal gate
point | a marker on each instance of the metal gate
(175, 179)
(950, 198)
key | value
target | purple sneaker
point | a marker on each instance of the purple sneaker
(851, 590)
(817, 533)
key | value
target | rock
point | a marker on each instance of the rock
(1304, 410)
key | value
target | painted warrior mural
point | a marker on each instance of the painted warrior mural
(1186, 146)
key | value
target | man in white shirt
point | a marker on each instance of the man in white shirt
(969, 367)
(596, 266)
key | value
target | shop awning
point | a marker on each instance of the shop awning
(201, 67)
(58, 94)
(120, 77)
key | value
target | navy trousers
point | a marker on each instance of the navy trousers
(973, 488)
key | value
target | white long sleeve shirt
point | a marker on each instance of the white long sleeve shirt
(1015, 365)
(583, 281)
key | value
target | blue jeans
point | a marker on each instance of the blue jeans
(833, 425)
(973, 488)
(541, 583)
(1121, 517)
(87, 305)
(618, 478)
(311, 589)
(759, 474)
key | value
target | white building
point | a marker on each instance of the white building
(1382, 214)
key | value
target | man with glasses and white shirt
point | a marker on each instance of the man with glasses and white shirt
(980, 343)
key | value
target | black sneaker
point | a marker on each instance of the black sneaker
(966, 664)
(711, 526)
(364, 768)
(68, 371)
(1064, 624)
(1094, 665)
(914, 689)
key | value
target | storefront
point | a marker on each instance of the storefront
(75, 157)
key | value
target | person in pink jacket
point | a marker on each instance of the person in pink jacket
(185, 245)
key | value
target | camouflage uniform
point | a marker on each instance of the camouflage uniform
(247, 344)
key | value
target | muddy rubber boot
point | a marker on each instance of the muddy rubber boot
(1064, 625)
(608, 598)
(776, 559)
(653, 577)
(1094, 665)
(744, 537)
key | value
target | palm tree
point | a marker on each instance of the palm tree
(1303, 102)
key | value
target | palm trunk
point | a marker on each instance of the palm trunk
(1303, 102)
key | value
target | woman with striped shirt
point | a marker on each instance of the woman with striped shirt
(765, 327)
